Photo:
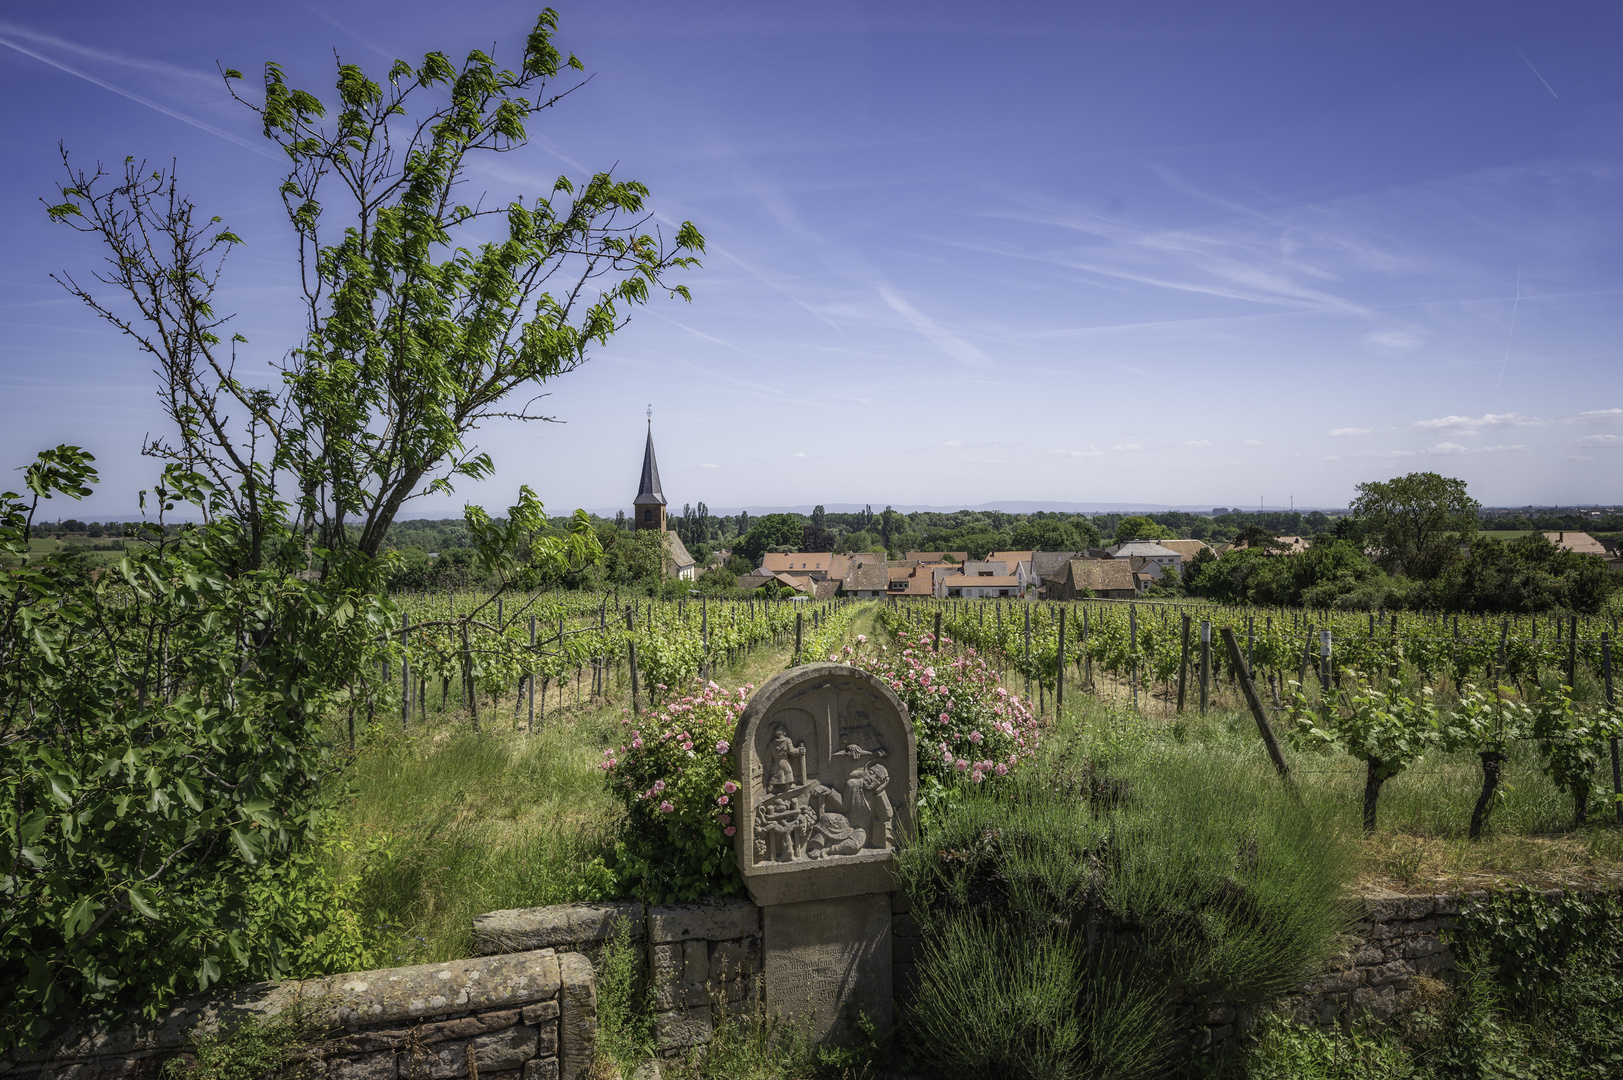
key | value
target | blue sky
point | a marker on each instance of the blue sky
(1179, 253)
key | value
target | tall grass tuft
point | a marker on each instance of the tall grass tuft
(1062, 911)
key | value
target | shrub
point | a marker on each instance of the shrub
(674, 777)
(967, 725)
(1063, 903)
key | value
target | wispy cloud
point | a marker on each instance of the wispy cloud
(131, 95)
(1352, 431)
(949, 343)
(1601, 440)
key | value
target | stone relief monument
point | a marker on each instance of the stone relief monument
(828, 779)
(828, 787)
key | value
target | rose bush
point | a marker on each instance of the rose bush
(968, 726)
(673, 774)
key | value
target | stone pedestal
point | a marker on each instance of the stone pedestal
(827, 962)
(828, 791)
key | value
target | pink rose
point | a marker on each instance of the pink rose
(722, 747)
(721, 800)
(729, 830)
(666, 807)
(729, 787)
(726, 819)
(1002, 769)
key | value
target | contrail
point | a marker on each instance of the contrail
(1516, 304)
(139, 100)
(1534, 70)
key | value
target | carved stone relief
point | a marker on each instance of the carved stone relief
(828, 776)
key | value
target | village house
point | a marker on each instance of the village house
(1080, 579)
(978, 587)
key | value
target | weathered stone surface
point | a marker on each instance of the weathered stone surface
(508, 1049)
(380, 997)
(899, 902)
(731, 959)
(519, 929)
(1423, 945)
(367, 1067)
(682, 1028)
(828, 780)
(708, 920)
(535, 1014)
(463, 1027)
(1378, 1001)
(541, 1069)
(577, 1020)
(906, 926)
(1368, 955)
(1396, 971)
(826, 960)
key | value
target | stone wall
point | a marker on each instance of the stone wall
(699, 955)
(521, 1016)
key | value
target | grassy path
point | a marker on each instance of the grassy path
(444, 823)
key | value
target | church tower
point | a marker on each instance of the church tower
(650, 501)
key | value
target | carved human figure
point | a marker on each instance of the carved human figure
(784, 753)
(782, 828)
(868, 804)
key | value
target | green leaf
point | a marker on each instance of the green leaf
(139, 901)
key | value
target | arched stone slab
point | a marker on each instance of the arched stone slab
(828, 778)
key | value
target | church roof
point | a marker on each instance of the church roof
(648, 492)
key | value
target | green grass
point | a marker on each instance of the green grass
(444, 822)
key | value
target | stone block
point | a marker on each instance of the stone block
(543, 1068)
(899, 902)
(538, 1013)
(1378, 1001)
(508, 1049)
(827, 960)
(1435, 964)
(682, 1028)
(906, 926)
(1369, 955)
(709, 920)
(665, 964)
(1335, 983)
(731, 959)
(1220, 1014)
(1396, 971)
(556, 926)
(1218, 1034)
(1423, 945)
(546, 1043)
(577, 1019)
(391, 995)
(904, 980)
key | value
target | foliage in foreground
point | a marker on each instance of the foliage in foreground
(673, 777)
(1121, 874)
(163, 757)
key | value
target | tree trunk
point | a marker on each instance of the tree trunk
(1580, 804)
(1372, 792)
(1492, 761)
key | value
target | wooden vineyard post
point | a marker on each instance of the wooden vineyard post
(529, 722)
(1132, 651)
(1243, 671)
(1183, 663)
(1059, 669)
(799, 619)
(1307, 658)
(631, 647)
(1027, 663)
(1499, 667)
(405, 671)
(1611, 702)
(935, 646)
(1572, 654)
(470, 692)
(1205, 662)
(1324, 661)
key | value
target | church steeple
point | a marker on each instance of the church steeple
(650, 500)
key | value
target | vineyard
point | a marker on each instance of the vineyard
(472, 652)
(1384, 690)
